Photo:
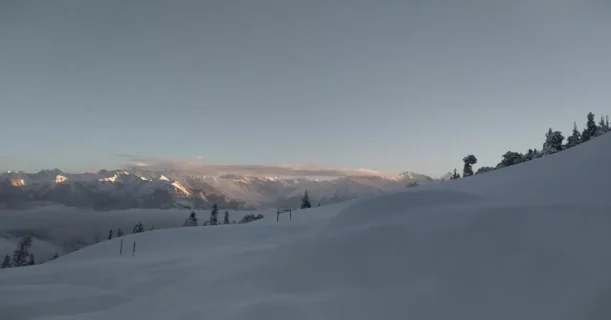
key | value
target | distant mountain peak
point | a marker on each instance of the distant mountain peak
(109, 179)
(181, 188)
(145, 188)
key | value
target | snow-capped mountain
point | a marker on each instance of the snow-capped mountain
(143, 188)
(104, 190)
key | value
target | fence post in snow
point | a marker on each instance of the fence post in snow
(134, 250)
(278, 212)
(121, 249)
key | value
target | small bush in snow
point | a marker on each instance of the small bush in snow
(251, 217)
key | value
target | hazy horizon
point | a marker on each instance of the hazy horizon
(295, 86)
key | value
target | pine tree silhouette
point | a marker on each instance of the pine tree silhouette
(469, 161)
(575, 138)
(21, 253)
(511, 158)
(191, 220)
(139, 227)
(6, 263)
(109, 234)
(603, 126)
(305, 201)
(455, 175)
(484, 170)
(226, 218)
(553, 142)
(590, 131)
(119, 232)
(214, 215)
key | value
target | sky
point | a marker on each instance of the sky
(381, 85)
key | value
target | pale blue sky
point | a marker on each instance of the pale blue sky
(384, 85)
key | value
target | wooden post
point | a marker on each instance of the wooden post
(278, 212)
(134, 250)
(121, 249)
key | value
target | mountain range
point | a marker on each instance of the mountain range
(151, 189)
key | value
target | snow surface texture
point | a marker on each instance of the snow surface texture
(530, 241)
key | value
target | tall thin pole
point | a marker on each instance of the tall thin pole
(121, 249)
(134, 250)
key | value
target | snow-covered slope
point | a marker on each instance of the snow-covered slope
(526, 242)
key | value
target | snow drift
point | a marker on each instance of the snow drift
(526, 242)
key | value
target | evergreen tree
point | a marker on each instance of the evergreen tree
(31, 260)
(575, 138)
(138, 227)
(305, 201)
(250, 217)
(603, 126)
(455, 175)
(553, 142)
(590, 130)
(601, 123)
(22, 252)
(469, 161)
(55, 256)
(119, 232)
(191, 220)
(537, 154)
(510, 158)
(214, 215)
(226, 218)
(484, 169)
(6, 263)
(109, 234)
(534, 155)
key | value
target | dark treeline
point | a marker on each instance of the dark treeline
(193, 221)
(21, 256)
(554, 143)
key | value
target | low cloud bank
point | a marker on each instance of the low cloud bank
(198, 167)
(62, 229)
